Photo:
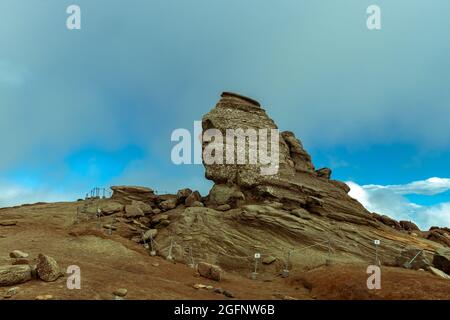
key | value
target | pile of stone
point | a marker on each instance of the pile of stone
(23, 269)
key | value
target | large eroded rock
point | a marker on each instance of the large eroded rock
(11, 275)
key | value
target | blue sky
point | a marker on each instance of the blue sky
(96, 106)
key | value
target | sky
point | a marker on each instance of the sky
(97, 106)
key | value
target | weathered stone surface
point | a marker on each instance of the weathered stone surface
(440, 236)
(269, 260)
(8, 223)
(209, 271)
(296, 181)
(197, 204)
(223, 207)
(182, 195)
(149, 234)
(168, 204)
(121, 292)
(420, 262)
(132, 211)
(441, 260)
(439, 273)
(145, 207)
(111, 207)
(324, 173)
(193, 197)
(18, 254)
(47, 268)
(11, 275)
(388, 221)
(301, 213)
(408, 226)
(221, 194)
(126, 194)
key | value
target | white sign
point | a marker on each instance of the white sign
(376, 242)
(257, 255)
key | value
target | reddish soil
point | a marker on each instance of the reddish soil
(111, 262)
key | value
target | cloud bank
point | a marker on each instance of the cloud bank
(391, 200)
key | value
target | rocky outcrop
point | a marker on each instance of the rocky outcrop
(296, 184)
(441, 260)
(126, 194)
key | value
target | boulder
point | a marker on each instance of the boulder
(193, 197)
(420, 262)
(408, 226)
(269, 259)
(17, 254)
(221, 194)
(149, 234)
(439, 236)
(388, 221)
(168, 204)
(441, 260)
(209, 271)
(145, 207)
(133, 211)
(197, 204)
(11, 275)
(439, 273)
(111, 207)
(324, 173)
(182, 195)
(126, 194)
(47, 268)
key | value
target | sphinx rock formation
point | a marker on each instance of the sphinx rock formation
(299, 206)
(247, 212)
(296, 185)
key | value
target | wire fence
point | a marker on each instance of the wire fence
(254, 260)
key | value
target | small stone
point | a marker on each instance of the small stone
(209, 287)
(269, 260)
(44, 297)
(155, 264)
(149, 234)
(228, 294)
(11, 292)
(199, 286)
(18, 254)
(224, 207)
(218, 290)
(209, 271)
(122, 292)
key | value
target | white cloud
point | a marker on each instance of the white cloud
(391, 200)
(14, 194)
(429, 186)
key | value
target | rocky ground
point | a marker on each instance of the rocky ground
(110, 262)
(139, 245)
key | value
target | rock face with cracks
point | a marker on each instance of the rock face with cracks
(295, 208)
